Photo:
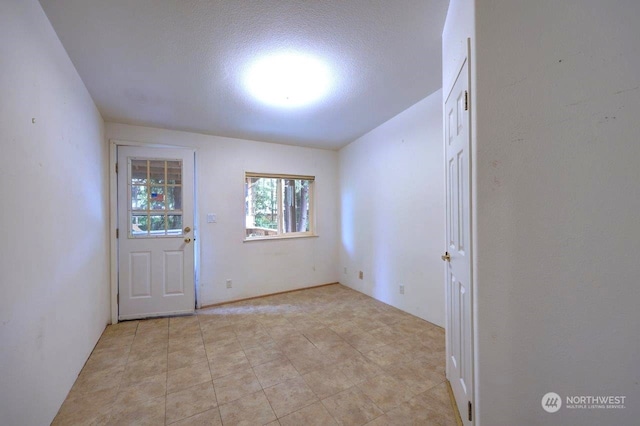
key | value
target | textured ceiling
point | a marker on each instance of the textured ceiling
(179, 64)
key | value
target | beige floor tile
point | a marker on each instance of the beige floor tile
(310, 360)
(274, 372)
(123, 328)
(188, 376)
(144, 341)
(107, 358)
(386, 392)
(295, 344)
(312, 415)
(234, 386)
(339, 352)
(190, 401)
(94, 381)
(258, 355)
(147, 388)
(86, 408)
(440, 393)
(181, 322)
(384, 420)
(363, 342)
(237, 349)
(416, 375)
(322, 335)
(418, 411)
(223, 365)
(327, 381)
(346, 328)
(148, 350)
(289, 396)
(215, 349)
(386, 355)
(150, 412)
(179, 343)
(146, 367)
(107, 342)
(187, 356)
(212, 339)
(360, 369)
(255, 340)
(351, 407)
(384, 334)
(282, 331)
(250, 410)
(153, 324)
(208, 418)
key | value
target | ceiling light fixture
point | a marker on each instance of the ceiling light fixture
(288, 79)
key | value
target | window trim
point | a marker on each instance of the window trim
(281, 235)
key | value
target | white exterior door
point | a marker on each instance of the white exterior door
(155, 232)
(458, 255)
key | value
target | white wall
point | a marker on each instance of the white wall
(392, 211)
(558, 196)
(53, 238)
(258, 267)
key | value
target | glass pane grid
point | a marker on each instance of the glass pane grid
(156, 198)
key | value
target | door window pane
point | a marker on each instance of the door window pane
(156, 198)
(174, 197)
(155, 187)
(139, 225)
(157, 223)
(174, 224)
(174, 172)
(156, 171)
(138, 171)
(139, 197)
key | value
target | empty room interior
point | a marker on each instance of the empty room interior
(319, 212)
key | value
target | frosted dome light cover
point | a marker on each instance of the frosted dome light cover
(288, 79)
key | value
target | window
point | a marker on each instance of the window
(155, 189)
(278, 206)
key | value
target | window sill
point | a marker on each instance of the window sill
(279, 237)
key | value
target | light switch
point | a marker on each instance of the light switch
(211, 218)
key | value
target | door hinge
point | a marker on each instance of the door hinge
(466, 100)
(116, 167)
(118, 298)
(470, 411)
(117, 232)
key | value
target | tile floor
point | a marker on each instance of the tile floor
(323, 356)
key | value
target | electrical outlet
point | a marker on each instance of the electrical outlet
(401, 288)
(229, 284)
(211, 218)
(361, 275)
(345, 270)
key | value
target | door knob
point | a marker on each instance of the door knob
(446, 257)
(187, 240)
(187, 230)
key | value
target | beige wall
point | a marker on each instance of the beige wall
(54, 253)
(392, 211)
